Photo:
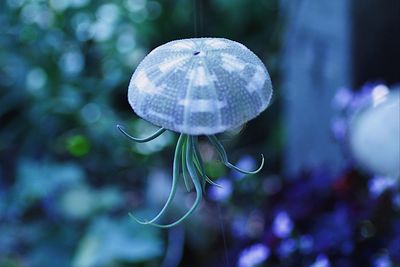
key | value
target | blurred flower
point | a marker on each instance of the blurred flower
(287, 247)
(306, 244)
(72, 62)
(35, 80)
(339, 128)
(222, 192)
(126, 42)
(238, 225)
(91, 113)
(82, 23)
(282, 225)
(253, 255)
(342, 98)
(135, 5)
(382, 261)
(396, 201)
(378, 184)
(334, 231)
(244, 163)
(321, 261)
(79, 3)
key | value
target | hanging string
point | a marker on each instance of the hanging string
(198, 18)
(223, 235)
(200, 8)
(195, 18)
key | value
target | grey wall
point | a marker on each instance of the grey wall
(316, 62)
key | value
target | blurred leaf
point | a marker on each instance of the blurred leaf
(82, 201)
(9, 262)
(38, 179)
(214, 169)
(78, 145)
(114, 240)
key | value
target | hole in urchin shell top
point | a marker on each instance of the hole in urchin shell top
(196, 53)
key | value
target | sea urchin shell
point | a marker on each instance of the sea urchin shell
(200, 86)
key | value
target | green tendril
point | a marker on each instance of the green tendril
(222, 153)
(196, 181)
(197, 163)
(142, 140)
(200, 166)
(176, 166)
(185, 174)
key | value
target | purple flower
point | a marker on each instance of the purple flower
(253, 255)
(306, 243)
(239, 228)
(282, 225)
(244, 163)
(321, 261)
(287, 247)
(378, 184)
(382, 261)
(342, 98)
(396, 201)
(222, 192)
(334, 230)
(339, 128)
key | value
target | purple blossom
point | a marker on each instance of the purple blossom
(342, 98)
(363, 97)
(334, 231)
(253, 255)
(245, 163)
(339, 128)
(282, 225)
(396, 201)
(222, 192)
(321, 261)
(287, 247)
(239, 228)
(382, 261)
(306, 244)
(378, 184)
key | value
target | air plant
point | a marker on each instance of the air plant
(199, 86)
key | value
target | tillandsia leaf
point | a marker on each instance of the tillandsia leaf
(199, 164)
(175, 174)
(201, 175)
(196, 181)
(222, 153)
(142, 140)
(185, 174)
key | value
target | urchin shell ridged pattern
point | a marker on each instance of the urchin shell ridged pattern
(200, 86)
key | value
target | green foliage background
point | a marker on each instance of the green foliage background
(68, 178)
